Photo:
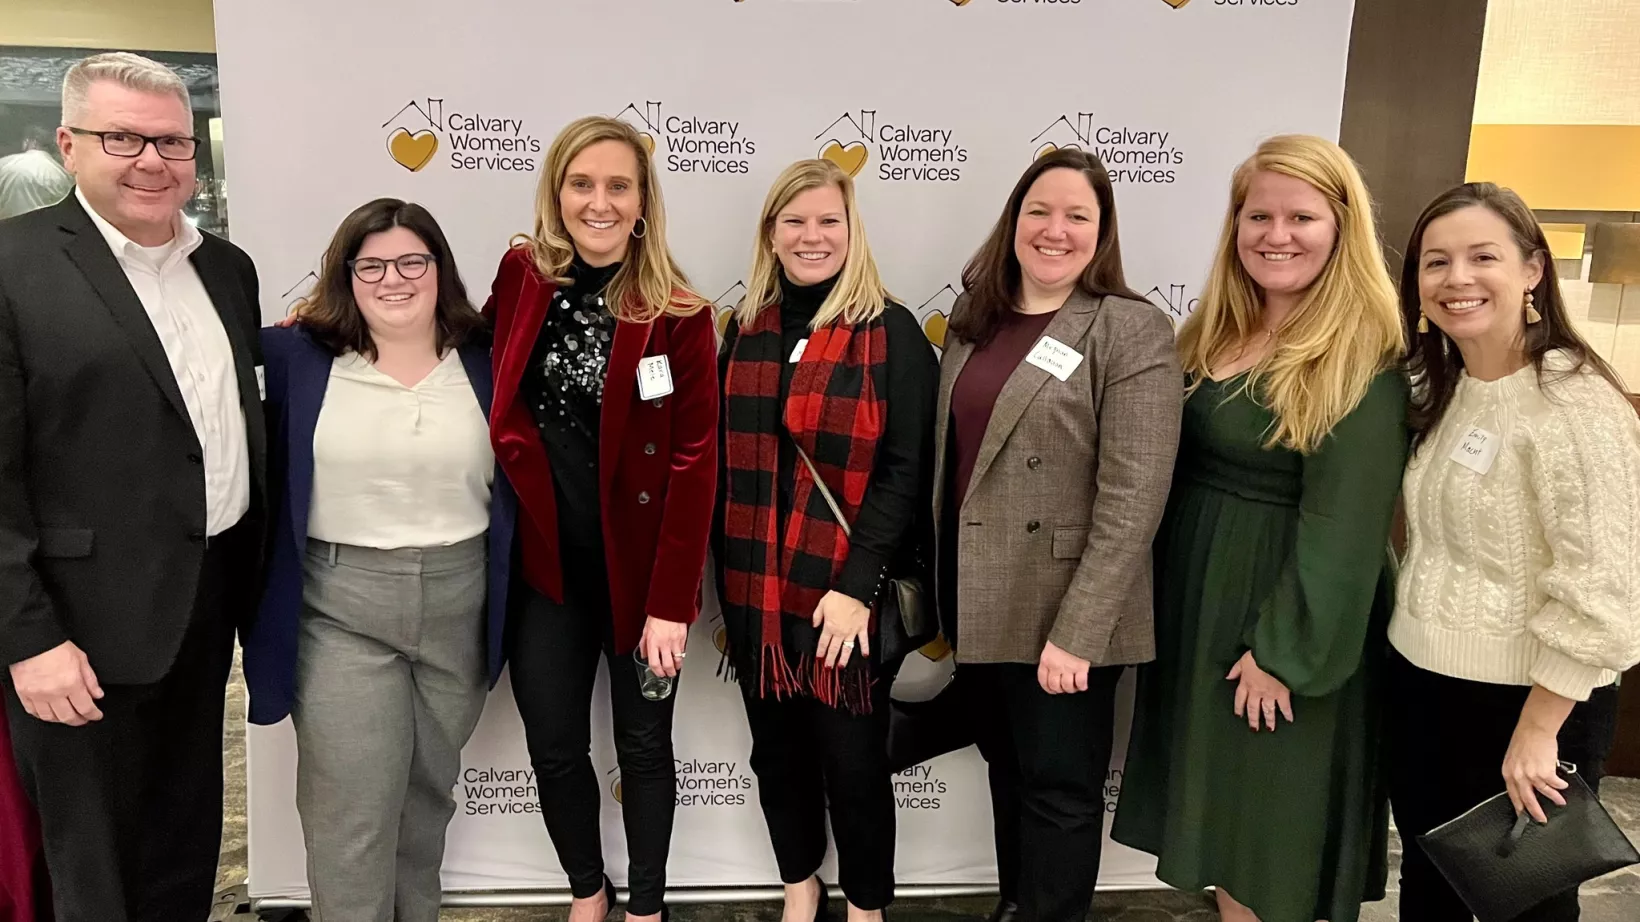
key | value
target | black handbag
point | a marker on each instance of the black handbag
(919, 731)
(905, 620)
(1502, 864)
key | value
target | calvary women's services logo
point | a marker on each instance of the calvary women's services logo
(1131, 155)
(690, 143)
(492, 791)
(905, 151)
(478, 142)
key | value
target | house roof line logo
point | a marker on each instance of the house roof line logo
(647, 120)
(312, 278)
(411, 145)
(936, 322)
(1081, 131)
(726, 310)
(850, 155)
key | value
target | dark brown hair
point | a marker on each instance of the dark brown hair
(1433, 359)
(991, 279)
(333, 317)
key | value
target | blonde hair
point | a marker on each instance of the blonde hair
(649, 284)
(858, 296)
(1346, 327)
(132, 71)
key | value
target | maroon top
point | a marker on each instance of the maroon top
(981, 380)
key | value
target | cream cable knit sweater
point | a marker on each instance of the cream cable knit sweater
(1523, 564)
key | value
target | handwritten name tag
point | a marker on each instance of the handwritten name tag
(1477, 450)
(654, 377)
(1054, 357)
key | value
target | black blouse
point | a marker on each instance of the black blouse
(564, 385)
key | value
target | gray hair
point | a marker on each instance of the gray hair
(131, 71)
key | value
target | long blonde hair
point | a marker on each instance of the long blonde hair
(649, 283)
(1347, 326)
(858, 296)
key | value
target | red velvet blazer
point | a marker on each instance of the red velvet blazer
(657, 459)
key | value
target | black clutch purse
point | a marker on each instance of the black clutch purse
(905, 620)
(1501, 864)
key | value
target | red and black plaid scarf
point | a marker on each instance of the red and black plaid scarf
(774, 573)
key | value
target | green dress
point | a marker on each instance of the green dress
(1287, 555)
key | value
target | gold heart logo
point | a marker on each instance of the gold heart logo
(648, 141)
(1050, 147)
(1175, 3)
(722, 328)
(965, 2)
(720, 639)
(936, 649)
(934, 327)
(412, 151)
(616, 790)
(850, 157)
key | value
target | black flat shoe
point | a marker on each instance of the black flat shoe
(1006, 911)
(609, 896)
(822, 911)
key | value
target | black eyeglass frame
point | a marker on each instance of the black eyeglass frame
(430, 260)
(102, 136)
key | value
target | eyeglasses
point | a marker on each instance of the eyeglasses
(130, 144)
(410, 266)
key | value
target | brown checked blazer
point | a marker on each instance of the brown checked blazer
(1054, 535)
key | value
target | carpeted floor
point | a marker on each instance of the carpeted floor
(1615, 898)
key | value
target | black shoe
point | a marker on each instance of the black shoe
(822, 911)
(609, 896)
(1006, 911)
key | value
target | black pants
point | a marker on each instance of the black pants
(131, 805)
(1048, 757)
(553, 651)
(1447, 741)
(806, 754)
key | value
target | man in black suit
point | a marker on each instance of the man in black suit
(132, 456)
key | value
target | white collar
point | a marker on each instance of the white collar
(186, 240)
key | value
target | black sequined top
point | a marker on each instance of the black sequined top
(564, 385)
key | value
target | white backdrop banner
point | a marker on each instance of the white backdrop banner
(935, 106)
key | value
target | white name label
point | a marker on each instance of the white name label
(261, 383)
(1054, 357)
(797, 353)
(654, 377)
(1477, 450)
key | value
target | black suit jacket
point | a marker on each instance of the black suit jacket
(102, 485)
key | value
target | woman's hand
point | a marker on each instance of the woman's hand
(1061, 673)
(1530, 765)
(843, 621)
(662, 645)
(1259, 695)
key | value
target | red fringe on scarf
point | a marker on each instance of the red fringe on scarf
(847, 690)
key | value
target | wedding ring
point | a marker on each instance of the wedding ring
(849, 644)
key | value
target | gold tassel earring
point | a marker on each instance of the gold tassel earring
(1423, 322)
(1532, 315)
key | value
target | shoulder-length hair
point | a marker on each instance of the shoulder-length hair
(859, 295)
(1433, 358)
(991, 279)
(331, 314)
(1346, 328)
(649, 283)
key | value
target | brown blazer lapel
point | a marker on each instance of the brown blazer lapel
(951, 362)
(1068, 326)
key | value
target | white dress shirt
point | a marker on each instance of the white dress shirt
(396, 466)
(196, 344)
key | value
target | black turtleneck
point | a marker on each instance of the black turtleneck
(564, 385)
(903, 473)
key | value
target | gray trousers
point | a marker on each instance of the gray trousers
(390, 682)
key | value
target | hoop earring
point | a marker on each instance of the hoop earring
(1532, 315)
(640, 227)
(1423, 322)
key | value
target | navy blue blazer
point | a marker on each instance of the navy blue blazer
(297, 371)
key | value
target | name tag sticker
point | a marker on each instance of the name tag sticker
(654, 377)
(797, 353)
(261, 383)
(1054, 357)
(1477, 450)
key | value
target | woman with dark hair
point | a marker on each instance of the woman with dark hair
(1519, 601)
(380, 624)
(1057, 423)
